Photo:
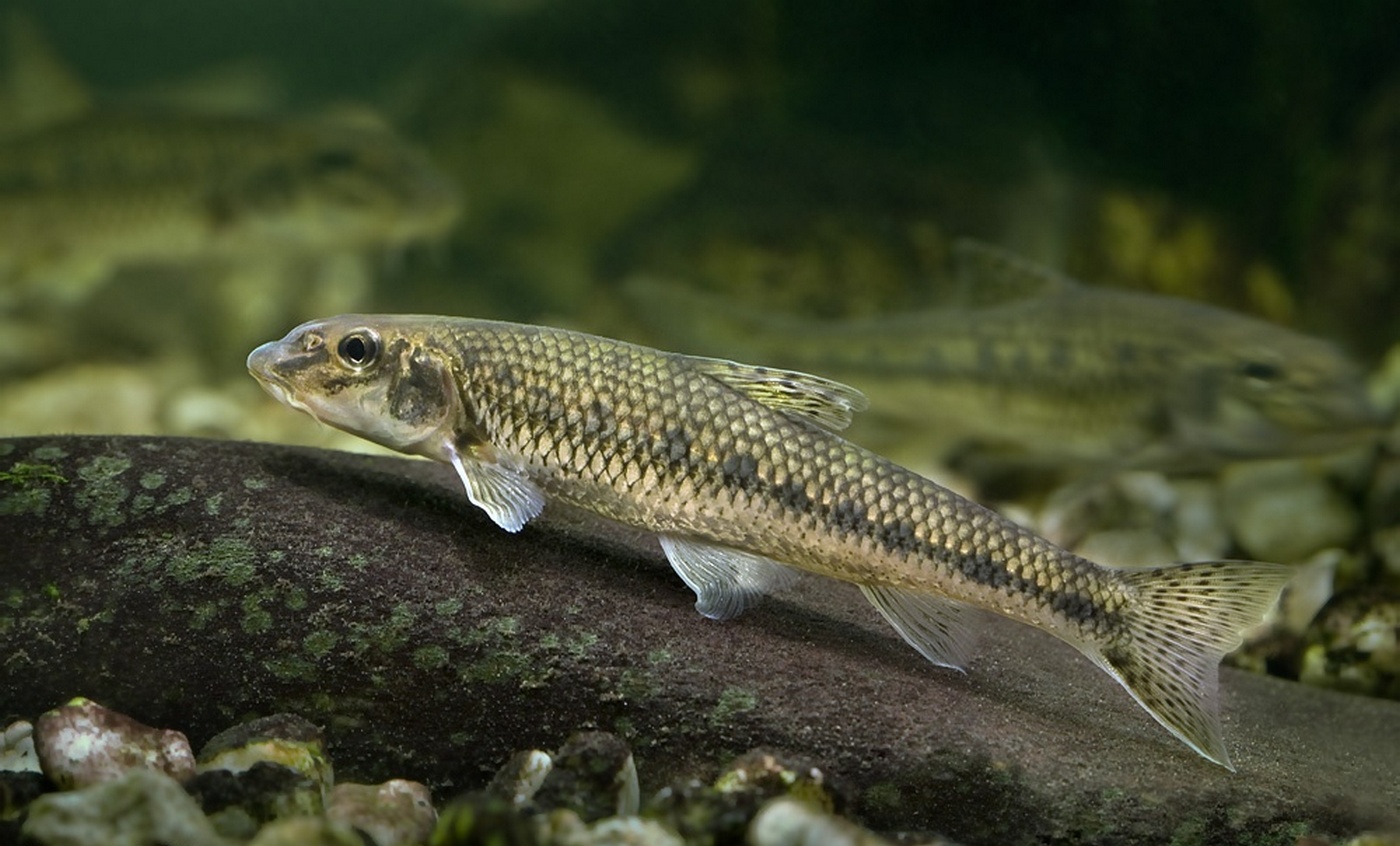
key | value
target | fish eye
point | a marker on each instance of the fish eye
(1261, 371)
(359, 349)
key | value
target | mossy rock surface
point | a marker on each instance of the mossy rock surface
(195, 584)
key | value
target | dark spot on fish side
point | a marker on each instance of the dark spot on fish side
(740, 471)
(598, 419)
(982, 569)
(1058, 355)
(898, 536)
(505, 378)
(1127, 352)
(1074, 605)
(792, 495)
(849, 516)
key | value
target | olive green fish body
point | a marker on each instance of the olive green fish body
(1062, 372)
(741, 473)
(112, 188)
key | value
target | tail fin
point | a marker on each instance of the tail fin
(1183, 621)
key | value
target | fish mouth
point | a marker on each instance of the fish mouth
(262, 367)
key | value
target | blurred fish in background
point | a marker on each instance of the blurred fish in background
(152, 227)
(1023, 367)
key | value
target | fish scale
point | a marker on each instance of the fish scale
(742, 474)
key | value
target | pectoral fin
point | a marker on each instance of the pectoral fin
(935, 626)
(497, 483)
(802, 396)
(725, 580)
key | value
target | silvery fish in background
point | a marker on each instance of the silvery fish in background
(255, 216)
(1032, 367)
(86, 191)
(742, 474)
(107, 190)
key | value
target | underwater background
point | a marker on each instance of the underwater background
(180, 182)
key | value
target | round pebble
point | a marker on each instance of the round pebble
(83, 743)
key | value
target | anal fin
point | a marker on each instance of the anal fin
(725, 580)
(935, 626)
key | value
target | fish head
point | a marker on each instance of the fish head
(1277, 393)
(327, 188)
(374, 377)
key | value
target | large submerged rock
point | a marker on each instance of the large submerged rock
(193, 584)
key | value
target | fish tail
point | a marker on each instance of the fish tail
(1180, 621)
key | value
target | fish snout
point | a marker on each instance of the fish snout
(262, 361)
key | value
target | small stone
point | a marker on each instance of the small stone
(522, 776)
(1308, 591)
(395, 813)
(594, 775)
(283, 739)
(766, 775)
(480, 819)
(17, 790)
(17, 753)
(564, 828)
(140, 808)
(240, 802)
(702, 813)
(1285, 511)
(790, 822)
(1354, 644)
(83, 743)
(307, 831)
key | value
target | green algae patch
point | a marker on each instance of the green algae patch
(291, 667)
(49, 453)
(24, 474)
(733, 701)
(318, 644)
(27, 488)
(295, 599)
(179, 496)
(152, 480)
(256, 619)
(447, 607)
(232, 559)
(204, 614)
(101, 492)
(430, 657)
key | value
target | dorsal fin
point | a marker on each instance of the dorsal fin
(986, 275)
(801, 396)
